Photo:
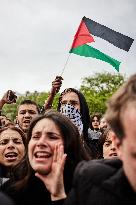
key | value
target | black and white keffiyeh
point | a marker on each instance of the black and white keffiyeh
(73, 114)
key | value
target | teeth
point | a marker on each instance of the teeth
(114, 154)
(42, 155)
(26, 121)
(11, 155)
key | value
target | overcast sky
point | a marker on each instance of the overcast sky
(36, 35)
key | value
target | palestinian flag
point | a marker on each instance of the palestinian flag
(91, 32)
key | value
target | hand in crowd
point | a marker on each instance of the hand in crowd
(56, 84)
(54, 180)
(9, 97)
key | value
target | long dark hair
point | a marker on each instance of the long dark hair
(98, 116)
(72, 146)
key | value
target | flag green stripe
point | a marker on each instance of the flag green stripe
(88, 51)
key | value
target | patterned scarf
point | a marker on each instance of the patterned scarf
(73, 114)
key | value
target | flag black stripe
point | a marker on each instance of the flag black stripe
(117, 39)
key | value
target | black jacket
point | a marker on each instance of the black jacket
(4, 171)
(5, 200)
(34, 193)
(100, 182)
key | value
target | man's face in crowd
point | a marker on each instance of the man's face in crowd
(26, 113)
(72, 99)
(127, 146)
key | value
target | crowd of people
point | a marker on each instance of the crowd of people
(67, 156)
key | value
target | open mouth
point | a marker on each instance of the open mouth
(113, 154)
(11, 155)
(42, 154)
(26, 121)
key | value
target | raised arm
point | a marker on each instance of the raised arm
(56, 84)
(8, 98)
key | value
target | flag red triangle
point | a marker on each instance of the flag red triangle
(82, 36)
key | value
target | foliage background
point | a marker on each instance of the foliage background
(97, 89)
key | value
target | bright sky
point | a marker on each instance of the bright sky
(36, 35)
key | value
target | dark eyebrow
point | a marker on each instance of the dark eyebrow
(16, 138)
(26, 110)
(73, 101)
(49, 133)
(108, 141)
(37, 132)
(53, 133)
(4, 139)
(9, 138)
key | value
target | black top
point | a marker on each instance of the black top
(34, 193)
(5, 200)
(4, 174)
(101, 182)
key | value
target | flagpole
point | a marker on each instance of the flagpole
(65, 65)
